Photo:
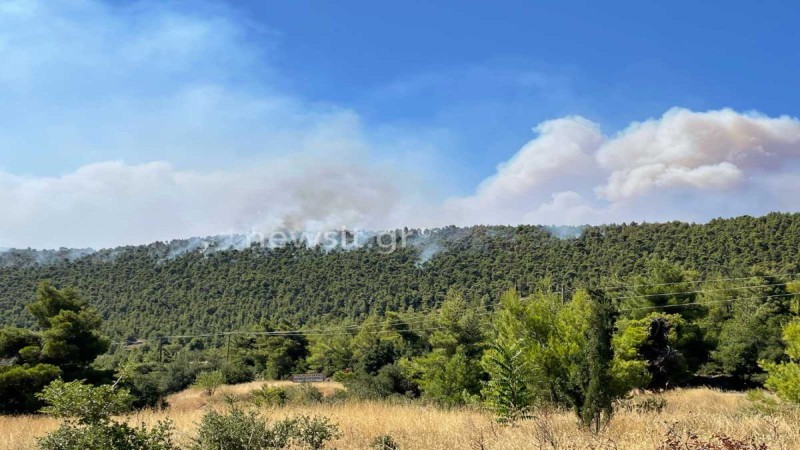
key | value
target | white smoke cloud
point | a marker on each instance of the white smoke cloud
(684, 165)
(83, 82)
(560, 155)
(114, 203)
(695, 149)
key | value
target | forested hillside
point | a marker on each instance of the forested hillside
(143, 290)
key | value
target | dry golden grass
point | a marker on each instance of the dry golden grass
(417, 426)
(193, 399)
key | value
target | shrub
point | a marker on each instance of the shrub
(389, 381)
(342, 376)
(385, 442)
(209, 381)
(314, 432)
(269, 396)
(784, 378)
(765, 403)
(240, 430)
(237, 372)
(88, 411)
(87, 404)
(110, 435)
(303, 394)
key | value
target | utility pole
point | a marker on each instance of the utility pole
(228, 350)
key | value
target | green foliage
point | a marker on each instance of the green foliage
(553, 336)
(209, 381)
(19, 385)
(112, 435)
(269, 396)
(451, 371)
(330, 354)
(314, 432)
(303, 394)
(87, 404)
(744, 325)
(88, 424)
(51, 301)
(390, 381)
(791, 336)
(70, 337)
(13, 340)
(507, 392)
(597, 407)
(661, 285)
(646, 354)
(280, 356)
(784, 378)
(73, 339)
(69, 342)
(241, 430)
(202, 292)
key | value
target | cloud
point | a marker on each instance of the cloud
(561, 153)
(707, 150)
(684, 165)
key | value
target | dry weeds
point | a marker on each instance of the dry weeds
(416, 426)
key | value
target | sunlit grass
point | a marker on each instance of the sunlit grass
(418, 426)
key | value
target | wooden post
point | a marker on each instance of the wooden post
(228, 351)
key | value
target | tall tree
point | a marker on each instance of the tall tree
(597, 407)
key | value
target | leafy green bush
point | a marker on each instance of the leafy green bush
(88, 411)
(269, 396)
(390, 381)
(241, 430)
(343, 376)
(111, 435)
(314, 432)
(784, 378)
(237, 372)
(303, 394)
(89, 404)
(209, 381)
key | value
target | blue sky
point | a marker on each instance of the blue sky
(424, 113)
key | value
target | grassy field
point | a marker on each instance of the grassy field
(703, 412)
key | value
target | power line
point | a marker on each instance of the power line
(605, 288)
(348, 330)
(700, 291)
(733, 299)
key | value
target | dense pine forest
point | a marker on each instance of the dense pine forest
(508, 321)
(141, 291)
